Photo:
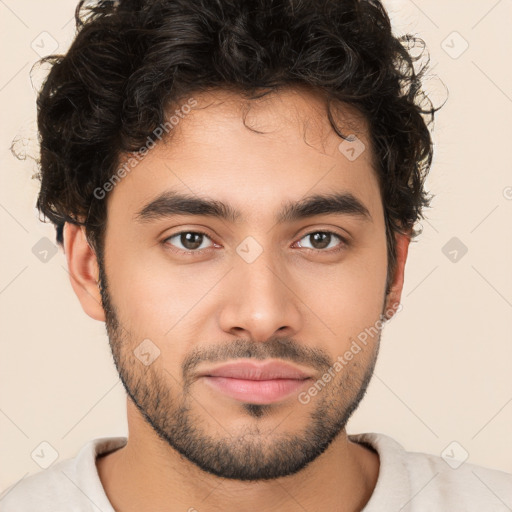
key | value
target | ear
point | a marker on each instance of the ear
(83, 270)
(397, 282)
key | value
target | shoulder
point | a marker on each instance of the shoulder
(36, 491)
(421, 481)
(71, 484)
(466, 486)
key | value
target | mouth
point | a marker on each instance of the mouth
(255, 391)
(256, 383)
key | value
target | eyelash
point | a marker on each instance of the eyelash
(337, 249)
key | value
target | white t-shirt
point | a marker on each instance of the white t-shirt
(407, 482)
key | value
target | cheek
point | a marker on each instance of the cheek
(348, 296)
(157, 297)
(154, 296)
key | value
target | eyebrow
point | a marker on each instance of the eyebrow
(170, 203)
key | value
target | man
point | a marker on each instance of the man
(235, 185)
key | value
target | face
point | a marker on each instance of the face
(186, 290)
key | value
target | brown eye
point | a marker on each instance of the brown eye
(321, 240)
(189, 240)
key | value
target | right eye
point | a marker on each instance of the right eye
(191, 241)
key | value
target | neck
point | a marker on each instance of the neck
(148, 474)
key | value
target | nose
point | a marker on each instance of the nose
(260, 300)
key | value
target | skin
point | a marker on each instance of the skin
(191, 447)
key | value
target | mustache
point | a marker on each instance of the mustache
(284, 348)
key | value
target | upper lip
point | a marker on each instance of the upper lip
(257, 371)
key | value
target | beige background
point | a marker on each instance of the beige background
(444, 369)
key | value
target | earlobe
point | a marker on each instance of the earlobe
(83, 270)
(396, 286)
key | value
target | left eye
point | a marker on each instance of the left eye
(321, 240)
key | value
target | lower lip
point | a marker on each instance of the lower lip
(256, 391)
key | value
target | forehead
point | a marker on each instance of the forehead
(252, 153)
(295, 114)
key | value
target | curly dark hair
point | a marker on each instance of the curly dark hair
(133, 60)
